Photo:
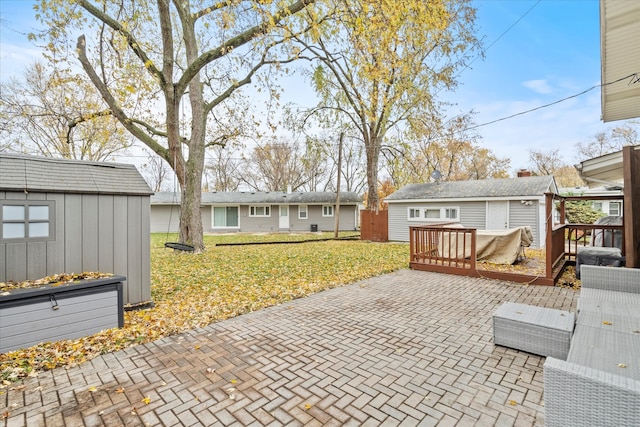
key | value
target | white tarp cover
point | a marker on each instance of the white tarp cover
(494, 246)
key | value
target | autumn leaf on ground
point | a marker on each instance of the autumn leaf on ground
(211, 370)
(206, 285)
(146, 400)
(93, 389)
(513, 403)
(120, 390)
(307, 407)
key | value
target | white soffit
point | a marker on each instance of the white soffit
(605, 169)
(620, 57)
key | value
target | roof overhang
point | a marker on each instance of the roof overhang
(620, 61)
(607, 170)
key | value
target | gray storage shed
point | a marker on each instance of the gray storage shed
(69, 216)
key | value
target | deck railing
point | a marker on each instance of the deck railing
(443, 246)
(449, 248)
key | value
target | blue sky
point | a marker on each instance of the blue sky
(551, 51)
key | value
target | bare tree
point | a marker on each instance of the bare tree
(56, 113)
(545, 162)
(608, 142)
(157, 173)
(274, 166)
(224, 169)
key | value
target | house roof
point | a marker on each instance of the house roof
(257, 197)
(620, 63)
(532, 186)
(606, 169)
(44, 174)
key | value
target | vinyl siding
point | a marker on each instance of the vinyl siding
(472, 215)
(161, 214)
(521, 215)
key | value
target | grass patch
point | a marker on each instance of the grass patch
(194, 290)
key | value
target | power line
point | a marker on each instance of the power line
(499, 37)
(555, 102)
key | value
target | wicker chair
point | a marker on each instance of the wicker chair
(599, 383)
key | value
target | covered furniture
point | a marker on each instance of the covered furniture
(592, 255)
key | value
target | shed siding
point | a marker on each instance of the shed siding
(73, 234)
(92, 233)
(473, 214)
(55, 248)
(521, 215)
(134, 248)
(90, 239)
(36, 253)
(106, 227)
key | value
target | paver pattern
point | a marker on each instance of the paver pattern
(407, 348)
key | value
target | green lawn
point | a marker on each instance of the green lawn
(193, 290)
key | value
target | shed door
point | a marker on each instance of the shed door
(284, 217)
(497, 215)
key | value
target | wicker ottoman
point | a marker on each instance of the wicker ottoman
(537, 330)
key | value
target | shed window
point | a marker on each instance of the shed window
(260, 211)
(327, 210)
(303, 212)
(26, 220)
(433, 213)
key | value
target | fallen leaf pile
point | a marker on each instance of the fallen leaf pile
(54, 280)
(193, 290)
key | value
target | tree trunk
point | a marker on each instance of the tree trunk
(373, 154)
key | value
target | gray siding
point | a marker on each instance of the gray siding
(92, 233)
(472, 215)
(162, 214)
(521, 215)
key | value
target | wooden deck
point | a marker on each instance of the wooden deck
(446, 249)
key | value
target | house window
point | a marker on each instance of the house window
(303, 212)
(433, 214)
(26, 220)
(597, 206)
(614, 208)
(414, 213)
(262, 211)
(225, 216)
(327, 210)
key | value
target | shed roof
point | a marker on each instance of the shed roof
(259, 197)
(532, 186)
(44, 174)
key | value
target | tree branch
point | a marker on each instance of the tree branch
(238, 41)
(131, 40)
(117, 112)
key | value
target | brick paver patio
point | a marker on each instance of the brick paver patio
(407, 348)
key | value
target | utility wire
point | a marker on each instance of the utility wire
(630, 76)
(499, 37)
